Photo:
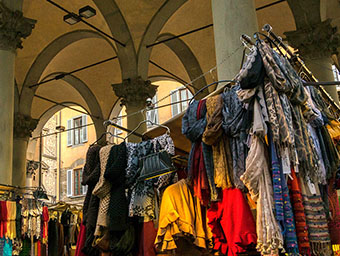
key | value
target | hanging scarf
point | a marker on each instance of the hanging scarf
(299, 214)
(284, 213)
(257, 179)
(316, 220)
(233, 125)
(213, 136)
(193, 126)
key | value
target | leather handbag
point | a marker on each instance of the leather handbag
(155, 165)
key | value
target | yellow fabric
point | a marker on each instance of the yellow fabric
(181, 215)
(221, 171)
(11, 215)
(334, 129)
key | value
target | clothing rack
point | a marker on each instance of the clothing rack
(300, 65)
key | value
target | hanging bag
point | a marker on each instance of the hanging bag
(155, 165)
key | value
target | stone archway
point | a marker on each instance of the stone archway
(120, 30)
(152, 32)
(44, 58)
(187, 57)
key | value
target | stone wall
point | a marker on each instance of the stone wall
(49, 157)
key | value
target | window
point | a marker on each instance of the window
(119, 122)
(180, 94)
(79, 134)
(74, 187)
(336, 73)
(152, 115)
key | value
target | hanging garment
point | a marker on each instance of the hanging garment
(213, 136)
(283, 208)
(91, 176)
(252, 72)
(45, 218)
(102, 190)
(18, 219)
(257, 179)
(181, 214)
(8, 249)
(316, 220)
(81, 241)
(193, 125)
(53, 238)
(142, 192)
(115, 174)
(232, 223)
(147, 235)
(11, 216)
(334, 221)
(26, 248)
(234, 127)
(2, 244)
(3, 219)
(299, 215)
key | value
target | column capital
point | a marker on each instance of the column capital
(134, 92)
(317, 41)
(23, 125)
(13, 27)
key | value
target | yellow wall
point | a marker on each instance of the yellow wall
(69, 154)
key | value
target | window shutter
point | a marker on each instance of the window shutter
(84, 129)
(184, 96)
(69, 133)
(174, 98)
(83, 188)
(69, 182)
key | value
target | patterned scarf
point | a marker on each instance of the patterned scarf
(283, 207)
(274, 84)
(299, 214)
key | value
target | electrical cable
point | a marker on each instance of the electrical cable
(62, 75)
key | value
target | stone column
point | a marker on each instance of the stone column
(316, 44)
(23, 128)
(133, 94)
(232, 18)
(13, 27)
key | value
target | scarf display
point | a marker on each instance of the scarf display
(299, 214)
(200, 163)
(213, 136)
(283, 208)
(257, 179)
(234, 128)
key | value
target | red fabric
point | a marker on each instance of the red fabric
(45, 217)
(38, 248)
(299, 214)
(81, 241)
(199, 173)
(334, 222)
(147, 237)
(3, 219)
(232, 223)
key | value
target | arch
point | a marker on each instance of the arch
(152, 31)
(120, 30)
(303, 17)
(84, 91)
(98, 124)
(44, 58)
(156, 78)
(187, 57)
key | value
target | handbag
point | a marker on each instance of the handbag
(155, 165)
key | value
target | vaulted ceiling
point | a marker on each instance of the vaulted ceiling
(55, 47)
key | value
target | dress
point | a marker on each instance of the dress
(181, 214)
(232, 223)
